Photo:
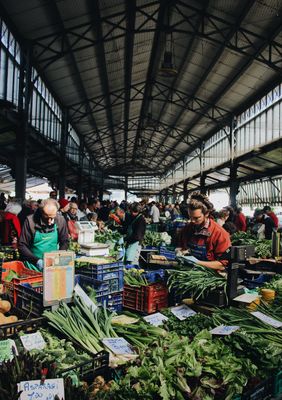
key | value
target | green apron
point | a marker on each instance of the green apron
(43, 243)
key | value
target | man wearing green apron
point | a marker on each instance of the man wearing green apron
(135, 232)
(43, 232)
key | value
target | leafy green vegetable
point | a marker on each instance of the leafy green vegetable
(198, 281)
(262, 246)
(135, 277)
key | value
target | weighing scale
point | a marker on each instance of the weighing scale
(86, 239)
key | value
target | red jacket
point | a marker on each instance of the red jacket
(274, 218)
(214, 237)
(240, 222)
(10, 227)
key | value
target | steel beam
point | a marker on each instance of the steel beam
(94, 10)
(130, 7)
(156, 51)
(228, 36)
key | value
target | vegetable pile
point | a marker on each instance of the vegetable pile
(174, 368)
(262, 246)
(81, 325)
(156, 239)
(196, 282)
(107, 236)
(135, 277)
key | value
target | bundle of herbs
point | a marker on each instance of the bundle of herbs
(259, 341)
(196, 282)
(190, 327)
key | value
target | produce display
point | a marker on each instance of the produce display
(135, 277)
(107, 236)
(197, 281)
(156, 239)
(82, 326)
(175, 368)
(262, 246)
(178, 359)
(61, 353)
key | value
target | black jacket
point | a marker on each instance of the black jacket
(32, 224)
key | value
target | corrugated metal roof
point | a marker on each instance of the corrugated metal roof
(212, 50)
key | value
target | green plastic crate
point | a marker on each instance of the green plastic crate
(277, 389)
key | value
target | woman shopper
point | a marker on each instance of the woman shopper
(135, 227)
(205, 240)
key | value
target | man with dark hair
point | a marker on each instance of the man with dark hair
(272, 215)
(53, 195)
(207, 242)
(267, 225)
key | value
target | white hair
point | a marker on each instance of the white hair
(49, 202)
(13, 208)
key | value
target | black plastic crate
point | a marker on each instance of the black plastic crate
(30, 300)
(28, 326)
(262, 391)
(99, 364)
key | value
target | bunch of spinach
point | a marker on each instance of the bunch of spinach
(175, 368)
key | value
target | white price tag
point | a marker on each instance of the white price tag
(32, 390)
(156, 319)
(118, 346)
(182, 312)
(81, 293)
(33, 341)
(268, 320)
(224, 330)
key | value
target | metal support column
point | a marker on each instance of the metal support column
(80, 170)
(185, 190)
(63, 149)
(22, 133)
(202, 167)
(174, 195)
(234, 185)
(126, 188)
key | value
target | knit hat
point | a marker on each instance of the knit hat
(63, 203)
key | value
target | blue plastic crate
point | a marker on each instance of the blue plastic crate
(115, 302)
(169, 254)
(151, 276)
(101, 288)
(155, 276)
(258, 282)
(111, 273)
(150, 248)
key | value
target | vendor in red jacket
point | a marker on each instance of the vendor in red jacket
(208, 242)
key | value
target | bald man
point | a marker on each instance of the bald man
(43, 232)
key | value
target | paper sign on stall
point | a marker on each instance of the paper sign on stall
(182, 312)
(6, 350)
(224, 330)
(268, 320)
(156, 319)
(33, 341)
(81, 293)
(118, 345)
(58, 284)
(33, 390)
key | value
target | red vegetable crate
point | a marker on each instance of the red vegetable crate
(146, 299)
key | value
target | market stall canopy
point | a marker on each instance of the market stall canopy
(145, 81)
